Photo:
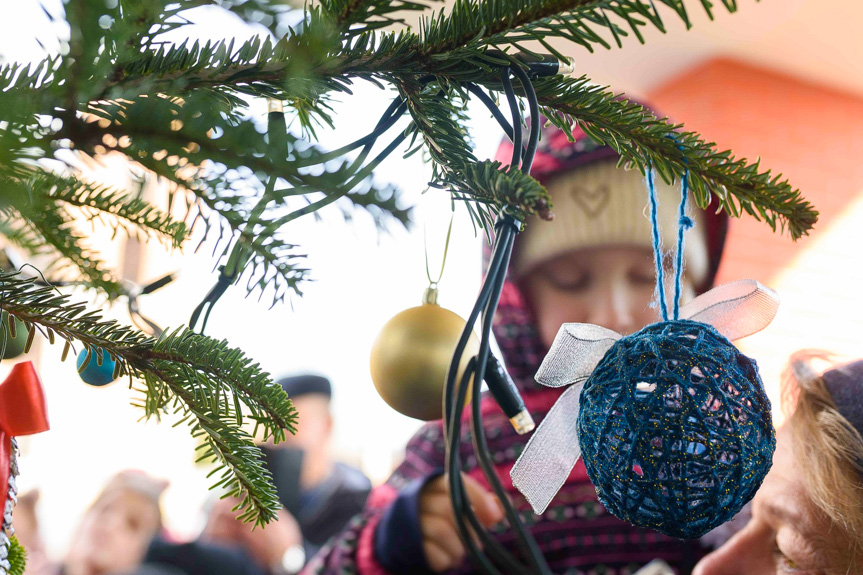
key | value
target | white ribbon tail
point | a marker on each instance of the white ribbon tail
(551, 453)
(735, 309)
(577, 349)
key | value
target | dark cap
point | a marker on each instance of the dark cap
(306, 384)
(845, 384)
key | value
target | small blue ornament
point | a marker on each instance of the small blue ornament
(675, 429)
(96, 374)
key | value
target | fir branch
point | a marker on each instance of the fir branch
(495, 188)
(17, 557)
(440, 118)
(354, 17)
(382, 204)
(212, 385)
(53, 226)
(22, 236)
(644, 141)
(273, 263)
(131, 214)
(490, 22)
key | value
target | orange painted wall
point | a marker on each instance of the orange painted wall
(811, 134)
(814, 136)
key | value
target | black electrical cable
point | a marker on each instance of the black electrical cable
(516, 116)
(453, 416)
(227, 277)
(492, 107)
(495, 278)
(380, 128)
(529, 548)
(494, 548)
(487, 302)
(453, 423)
(533, 107)
(495, 273)
(217, 291)
(450, 415)
(458, 497)
(395, 111)
(482, 298)
(528, 544)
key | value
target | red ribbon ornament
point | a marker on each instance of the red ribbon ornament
(22, 412)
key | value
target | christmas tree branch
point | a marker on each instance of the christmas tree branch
(369, 14)
(17, 557)
(492, 185)
(646, 141)
(56, 228)
(131, 214)
(184, 113)
(211, 384)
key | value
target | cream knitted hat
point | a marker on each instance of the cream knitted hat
(599, 204)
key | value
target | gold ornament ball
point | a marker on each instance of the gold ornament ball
(411, 356)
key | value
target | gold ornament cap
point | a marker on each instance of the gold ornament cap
(430, 295)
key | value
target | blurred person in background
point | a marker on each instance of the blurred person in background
(121, 533)
(116, 530)
(26, 523)
(319, 495)
(807, 517)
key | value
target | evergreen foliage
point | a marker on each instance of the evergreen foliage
(17, 557)
(183, 113)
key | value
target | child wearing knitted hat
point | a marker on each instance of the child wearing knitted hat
(592, 264)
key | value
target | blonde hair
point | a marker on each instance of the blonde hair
(828, 449)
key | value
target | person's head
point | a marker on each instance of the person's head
(118, 527)
(594, 262)
(807, 517)
(311, 395)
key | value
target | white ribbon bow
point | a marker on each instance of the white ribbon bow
(735, 309)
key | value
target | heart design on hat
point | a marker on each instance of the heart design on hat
(591, 200)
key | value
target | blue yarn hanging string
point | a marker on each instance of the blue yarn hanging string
(657, 248)
(683, 224)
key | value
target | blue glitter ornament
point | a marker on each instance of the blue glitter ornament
(96, 374)
(675, 429)
(673, 421)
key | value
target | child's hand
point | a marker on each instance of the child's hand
(441, 544)
(265, 544)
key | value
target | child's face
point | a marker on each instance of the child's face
(607, 286)
(115, 533)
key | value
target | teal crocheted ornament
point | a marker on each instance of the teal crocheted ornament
(672, 421)
(675, 429)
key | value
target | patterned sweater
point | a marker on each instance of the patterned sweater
(577, 535)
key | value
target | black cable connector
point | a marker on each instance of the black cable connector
(538, 65)
(502, 387)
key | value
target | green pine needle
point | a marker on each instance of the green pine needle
(17, 557)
